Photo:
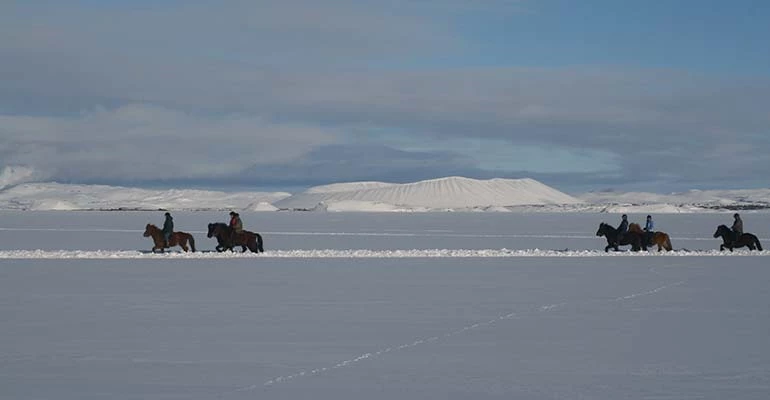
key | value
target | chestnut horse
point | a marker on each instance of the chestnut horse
(729, 241)
(245, 239)
(176, 239)
(660, 239)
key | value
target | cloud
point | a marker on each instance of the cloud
(344, 90)
(144, 142)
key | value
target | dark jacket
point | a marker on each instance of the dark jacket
(168, 225)
(623, 228)
(738, 226)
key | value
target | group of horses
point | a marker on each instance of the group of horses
(636, 237)
(641, 240)
(226, 239)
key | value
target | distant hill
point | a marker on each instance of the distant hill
(455, 193)
(443, 194)
(57, 196)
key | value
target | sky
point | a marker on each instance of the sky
(583, 96)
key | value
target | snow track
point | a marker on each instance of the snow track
(332, 253)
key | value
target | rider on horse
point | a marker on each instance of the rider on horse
(236, 224)
(623, 227)
(649, 229)
(168, 228)
(737, 225)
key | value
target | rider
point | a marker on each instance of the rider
(623, 227)
(168, 228)
(649, 228)
(236, 225)
(737, 225)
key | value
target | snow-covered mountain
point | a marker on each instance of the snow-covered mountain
(456, 193)
(689, 201)
(451, 193)
(56, 196)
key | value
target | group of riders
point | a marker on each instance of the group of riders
(732, 236)
(649, 227)
(236, 226)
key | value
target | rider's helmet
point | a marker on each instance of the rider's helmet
(649, 217)
(624, 216)
(168, 214)
(736, 215)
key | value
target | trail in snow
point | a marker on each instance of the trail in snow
(332, 253)
(479, 325)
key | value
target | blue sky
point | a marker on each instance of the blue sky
(633, 95)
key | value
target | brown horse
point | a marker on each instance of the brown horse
(176, 239)
(733, 241)
(245, 239)
(660, 239)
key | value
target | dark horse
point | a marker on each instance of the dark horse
(632, 238)
(245, 239)
(177, 239)
(730, 241)
(660, 239)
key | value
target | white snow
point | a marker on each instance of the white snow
(689, 201)
(384, 306)
(57, 196)
(435, 194)
(443, 194)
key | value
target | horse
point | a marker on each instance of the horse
(245, 239)
(629, 238)
(660, 239)
(177, 239)
(730, 241)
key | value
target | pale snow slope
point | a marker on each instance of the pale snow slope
(347, 187)
(689, 201)
(55, 196)
(442, 193)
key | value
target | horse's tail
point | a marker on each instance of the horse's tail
(261, 248)
(756, 242)
(668, 246)
(192, 243)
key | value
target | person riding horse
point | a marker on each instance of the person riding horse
(236, 224)
(623, 227)
(168, 228)
(649, 229)
(737, 225)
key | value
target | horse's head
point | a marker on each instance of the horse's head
(148, 230)
(722, 230)
(217, 229)
(602, 229)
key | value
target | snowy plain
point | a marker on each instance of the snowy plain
(330, 311)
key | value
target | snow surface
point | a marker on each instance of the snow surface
(527, 325)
